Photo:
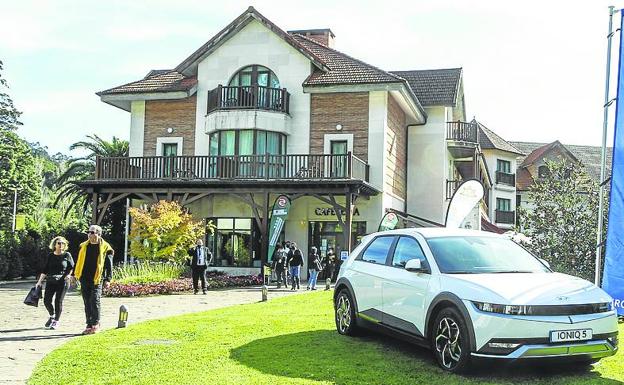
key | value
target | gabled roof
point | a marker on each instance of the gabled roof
(439, 87)
(155, 81)
(589, 156)
(523, 179)
(342, 68)
(189, 65)
(540, 152)
(489, 140)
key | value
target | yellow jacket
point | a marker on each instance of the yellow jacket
(82, 254)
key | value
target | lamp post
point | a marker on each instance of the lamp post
(123, 317)
(14, 207)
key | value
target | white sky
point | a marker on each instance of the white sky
(533, 70)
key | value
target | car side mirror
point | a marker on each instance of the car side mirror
(545, 262)
(414, 265)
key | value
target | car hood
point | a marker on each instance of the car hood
(528, 288)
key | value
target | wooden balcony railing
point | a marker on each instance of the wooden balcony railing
(235, 167)
(505, 178)
(451, 186)
(248, 97)
(506, 217)
(462, 131)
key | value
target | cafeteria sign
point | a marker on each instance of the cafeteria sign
(278, 217)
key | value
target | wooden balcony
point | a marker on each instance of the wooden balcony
(505, 178)
(248, 97)
(505, 217)
(235, 167)
(451, 186)
(462, 139)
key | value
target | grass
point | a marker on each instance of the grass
(284, 341)
(147, 273)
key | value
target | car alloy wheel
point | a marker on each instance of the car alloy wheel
(448, 342)
(343, 314)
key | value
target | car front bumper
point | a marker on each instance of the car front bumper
(526, 337)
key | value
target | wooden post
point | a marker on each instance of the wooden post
(348, 219)
(94, 212)
(264, 255)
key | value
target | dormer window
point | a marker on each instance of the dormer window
(255, 75)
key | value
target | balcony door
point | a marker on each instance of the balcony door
(170, 151)
(338, 163)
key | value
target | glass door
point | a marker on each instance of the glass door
(338, 163)
(170, 151)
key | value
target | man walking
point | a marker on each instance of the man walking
(201, 257)
(94, 267)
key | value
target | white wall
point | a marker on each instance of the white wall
(427, 167)
(137, 127)
(255, 44)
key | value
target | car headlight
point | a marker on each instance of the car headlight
(502, 309)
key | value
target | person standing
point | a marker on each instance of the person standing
(279, 266)
(295, 263)
(57, 267)
(201, 257)
(329, 263)
(94, 269)
(314, 266)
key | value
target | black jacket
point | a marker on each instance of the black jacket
(193, 254)
(295, 259)
(57, 266)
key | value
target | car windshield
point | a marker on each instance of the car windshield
(480, 255)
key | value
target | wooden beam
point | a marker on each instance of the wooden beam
(188, 201)
(145, 197)
(113, 200)
(94, 205)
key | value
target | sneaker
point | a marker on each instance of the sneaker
(195, 292)
(54, 325)
(95, 329)
(313, 288)
(47, 324)
(204, 292)
(88, 330)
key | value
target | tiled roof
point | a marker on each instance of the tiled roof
(589, 156)
(343, 69)
(155, 81)
(434, 87)
(489, 140)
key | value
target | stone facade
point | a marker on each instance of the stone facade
(177, 114)
(347, 109)
(396, 148)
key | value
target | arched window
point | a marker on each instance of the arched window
(255, 75)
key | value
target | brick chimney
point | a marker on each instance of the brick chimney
(324, 36)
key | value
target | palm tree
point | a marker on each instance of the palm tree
(84, 168)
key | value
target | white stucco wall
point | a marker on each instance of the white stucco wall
(255, 44)
(137, 127)
(427, 167)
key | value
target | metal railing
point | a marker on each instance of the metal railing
(248, 97)
(235, 167)
(462, 131)
(506, 217)
(505, 178)
(451, 186)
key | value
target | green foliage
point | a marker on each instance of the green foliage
(563, 222)
(147, 272)
(9, 115)
(163, 231)
(285, 341)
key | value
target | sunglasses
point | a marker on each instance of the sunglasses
(60, 243)
(91, 232)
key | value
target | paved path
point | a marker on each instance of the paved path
(24, 341)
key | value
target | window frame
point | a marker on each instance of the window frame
(426, 266)
(360, 257)
(256, 133)
(254, 76)
(507, 166)
(503, 200)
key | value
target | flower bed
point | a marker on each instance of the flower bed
(215, 280)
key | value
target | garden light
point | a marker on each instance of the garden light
(123, 316)
(265, 292)
(327, 283)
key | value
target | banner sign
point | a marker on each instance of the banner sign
(278, 216)
(465, 198)
(389, 221)
(20, 222)
(613, 278)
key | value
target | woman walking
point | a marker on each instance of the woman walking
(56, 272)
(314, 266)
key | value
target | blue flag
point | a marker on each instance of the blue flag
(613, 278)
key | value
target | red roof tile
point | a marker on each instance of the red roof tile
(155, 81)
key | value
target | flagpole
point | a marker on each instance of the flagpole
(603, 155)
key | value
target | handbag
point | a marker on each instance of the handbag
(33, 296)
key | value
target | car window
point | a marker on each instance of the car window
(377, 251)
(407, 248)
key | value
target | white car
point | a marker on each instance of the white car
(468, 294)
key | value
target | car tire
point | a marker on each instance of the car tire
(344, 314)
(450, 341)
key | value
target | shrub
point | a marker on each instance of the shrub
(147, 273)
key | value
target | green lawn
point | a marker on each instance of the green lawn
(284, 341)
